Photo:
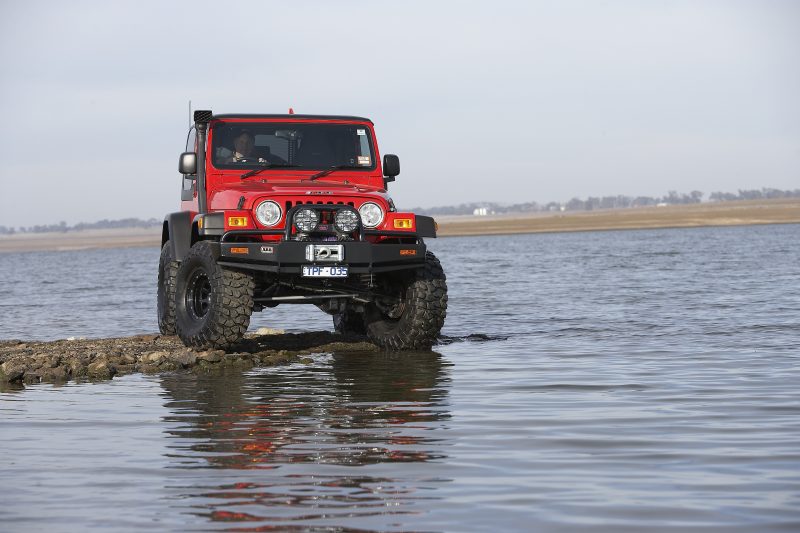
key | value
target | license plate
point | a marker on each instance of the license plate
(311, 271)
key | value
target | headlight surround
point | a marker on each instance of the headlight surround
(268, 213)
(346, 220)
(371, 214)
(306, 220)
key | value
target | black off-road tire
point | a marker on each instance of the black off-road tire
(167, 273)
(212, 304)
(349, 322)
(423, 301)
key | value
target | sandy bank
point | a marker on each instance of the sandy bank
(81, 240)
(99, 359)
(783, 211)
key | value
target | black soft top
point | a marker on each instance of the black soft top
(290, 117)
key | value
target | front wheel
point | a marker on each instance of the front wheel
(410, 312)
(212, 304)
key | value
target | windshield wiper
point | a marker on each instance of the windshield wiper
(265, 166)
(329, 170)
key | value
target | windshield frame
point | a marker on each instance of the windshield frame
(256, 125)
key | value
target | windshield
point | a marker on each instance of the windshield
(239, 145)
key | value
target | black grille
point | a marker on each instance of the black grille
(290, 204)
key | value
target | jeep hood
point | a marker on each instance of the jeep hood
(256, 190)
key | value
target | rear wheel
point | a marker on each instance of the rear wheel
(212, 304)
(167, 273)
(411, 311)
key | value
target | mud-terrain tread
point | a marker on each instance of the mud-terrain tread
(230, 308)
(167, 274)
(426, 309)
(349, 322)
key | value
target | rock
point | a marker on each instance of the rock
(77, 368)
(40, 361)
(150, 369)
(12, 371)
(101, 370)
(127, 359)
(269, 331)
(185, 359)
(59, 373)
(306, 360)
(54, 361)
(154, 357)
(211, 357)
(149, 338)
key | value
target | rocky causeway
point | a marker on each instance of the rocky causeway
(101, 359)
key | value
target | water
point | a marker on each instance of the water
(614, 381)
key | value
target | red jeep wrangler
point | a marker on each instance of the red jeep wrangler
(288, 209)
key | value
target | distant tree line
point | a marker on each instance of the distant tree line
(62, 226)
(609, 202)
(754, 194)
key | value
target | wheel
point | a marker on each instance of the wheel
(212, 304)
(167, 272)
(411, 311)
(349, 322)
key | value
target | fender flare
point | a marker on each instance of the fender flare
(178, 230)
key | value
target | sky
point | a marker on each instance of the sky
(483, 101)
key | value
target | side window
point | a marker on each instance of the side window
(191, 140)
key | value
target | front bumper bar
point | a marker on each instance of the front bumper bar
(288, 257)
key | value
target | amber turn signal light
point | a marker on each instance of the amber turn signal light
(403, 223)
(237, 221)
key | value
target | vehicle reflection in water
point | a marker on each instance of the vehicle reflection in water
(309, 445)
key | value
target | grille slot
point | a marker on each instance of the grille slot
(289, 204)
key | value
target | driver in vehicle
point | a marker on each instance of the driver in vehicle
(244, 149)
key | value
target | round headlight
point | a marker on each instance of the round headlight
(306, 220)
(371, 214)
(268, 213)
(346, 221)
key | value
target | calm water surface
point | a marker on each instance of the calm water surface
(619, 381)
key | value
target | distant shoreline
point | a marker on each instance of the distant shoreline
(736, 213)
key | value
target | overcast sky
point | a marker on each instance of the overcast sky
(486, 101)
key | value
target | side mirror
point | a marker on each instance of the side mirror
(391, 166)
(187, 164)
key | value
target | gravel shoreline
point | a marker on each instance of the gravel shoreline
(26, 362)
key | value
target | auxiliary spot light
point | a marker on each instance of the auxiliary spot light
(306, 220)
(346, 220)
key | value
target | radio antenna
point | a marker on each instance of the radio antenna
(190, 113)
